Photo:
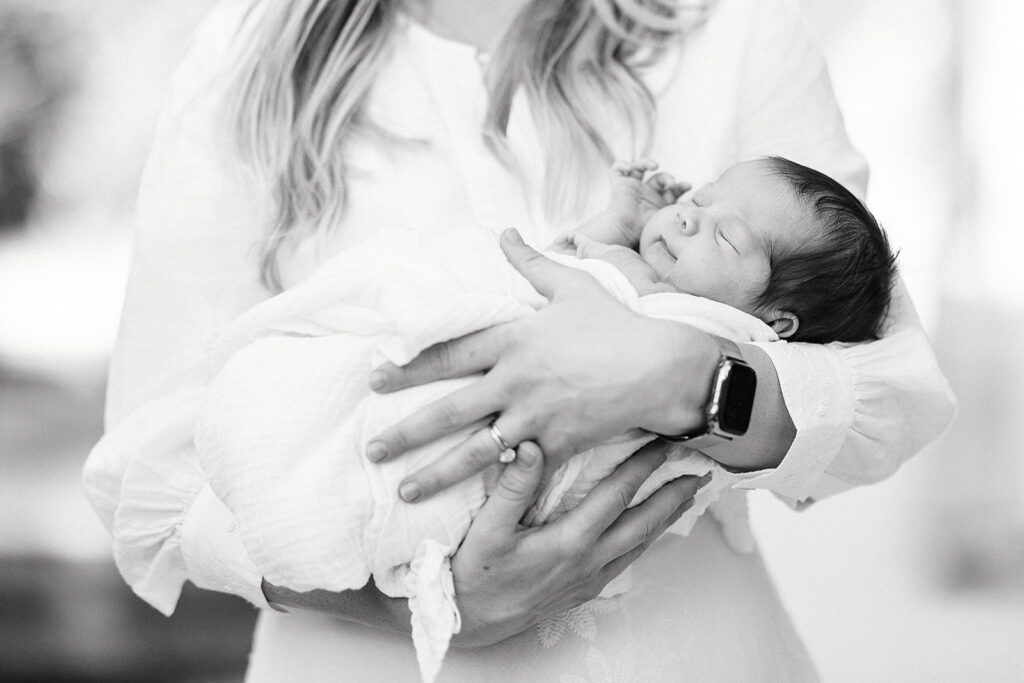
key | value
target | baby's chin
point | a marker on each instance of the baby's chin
(656, 255)
(648, 237)
(644, 249)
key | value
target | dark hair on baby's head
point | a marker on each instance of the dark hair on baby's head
(838, 283)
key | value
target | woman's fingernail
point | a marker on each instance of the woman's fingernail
(376, 451)
(377, 380)
(512, 235)
(409, 491)
(526, 457)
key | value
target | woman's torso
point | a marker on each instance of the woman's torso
(696, 609)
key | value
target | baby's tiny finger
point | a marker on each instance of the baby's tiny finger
(586, 247)
(677, 190)
(661, 181)
(566, 239)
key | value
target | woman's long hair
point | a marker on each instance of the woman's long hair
(308, 65)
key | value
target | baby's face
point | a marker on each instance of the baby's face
(714, 242)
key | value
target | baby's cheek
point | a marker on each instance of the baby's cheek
(682, 279)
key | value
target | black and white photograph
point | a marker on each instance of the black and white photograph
(568, 341)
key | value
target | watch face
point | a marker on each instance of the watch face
(737, 401)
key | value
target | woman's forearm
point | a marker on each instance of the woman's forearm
(366, 606)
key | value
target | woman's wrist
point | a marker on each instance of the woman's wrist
(366, 605)
(485, 630)
(687, 362)
(370, 607)
(771, 431)
(695, 360)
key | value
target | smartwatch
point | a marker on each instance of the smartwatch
(727, 414)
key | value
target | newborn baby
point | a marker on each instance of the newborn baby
(770, 237)
(288, 414)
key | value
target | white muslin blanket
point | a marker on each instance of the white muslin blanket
(283, 428)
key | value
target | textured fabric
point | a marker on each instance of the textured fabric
(696, 611)
(749, 82)
(282, 430)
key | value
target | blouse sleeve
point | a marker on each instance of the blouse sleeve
(193, 271)
(860, 410)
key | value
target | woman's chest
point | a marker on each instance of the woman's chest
(424, 161)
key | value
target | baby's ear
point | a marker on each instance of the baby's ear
(784, 323)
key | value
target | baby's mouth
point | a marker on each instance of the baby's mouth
(665, 245)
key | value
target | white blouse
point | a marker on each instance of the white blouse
(749, 82)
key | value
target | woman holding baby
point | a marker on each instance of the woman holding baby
(297, 129)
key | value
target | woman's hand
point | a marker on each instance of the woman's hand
(574, 374)
(508, 577)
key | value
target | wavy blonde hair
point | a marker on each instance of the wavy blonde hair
(306, 67)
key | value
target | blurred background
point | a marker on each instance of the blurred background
(918, 578)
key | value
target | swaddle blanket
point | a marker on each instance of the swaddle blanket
(284, 425)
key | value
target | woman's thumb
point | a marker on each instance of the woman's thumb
(515, 490)
(545, 275)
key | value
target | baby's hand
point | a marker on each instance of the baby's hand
(632, 201)
(564, 243)
(629, 263)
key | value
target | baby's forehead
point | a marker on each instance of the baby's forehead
(770, 202)
(754, 180)
(759, 171)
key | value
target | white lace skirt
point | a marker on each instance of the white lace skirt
(696, 611)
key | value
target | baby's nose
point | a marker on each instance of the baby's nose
(689, 223)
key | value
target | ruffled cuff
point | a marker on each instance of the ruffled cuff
(860, 410)
(901, 403)
(169, 526)
(157, 491)
(214, 555)
(818, 389)
(166, 535)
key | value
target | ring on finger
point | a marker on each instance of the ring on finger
(506, 453)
